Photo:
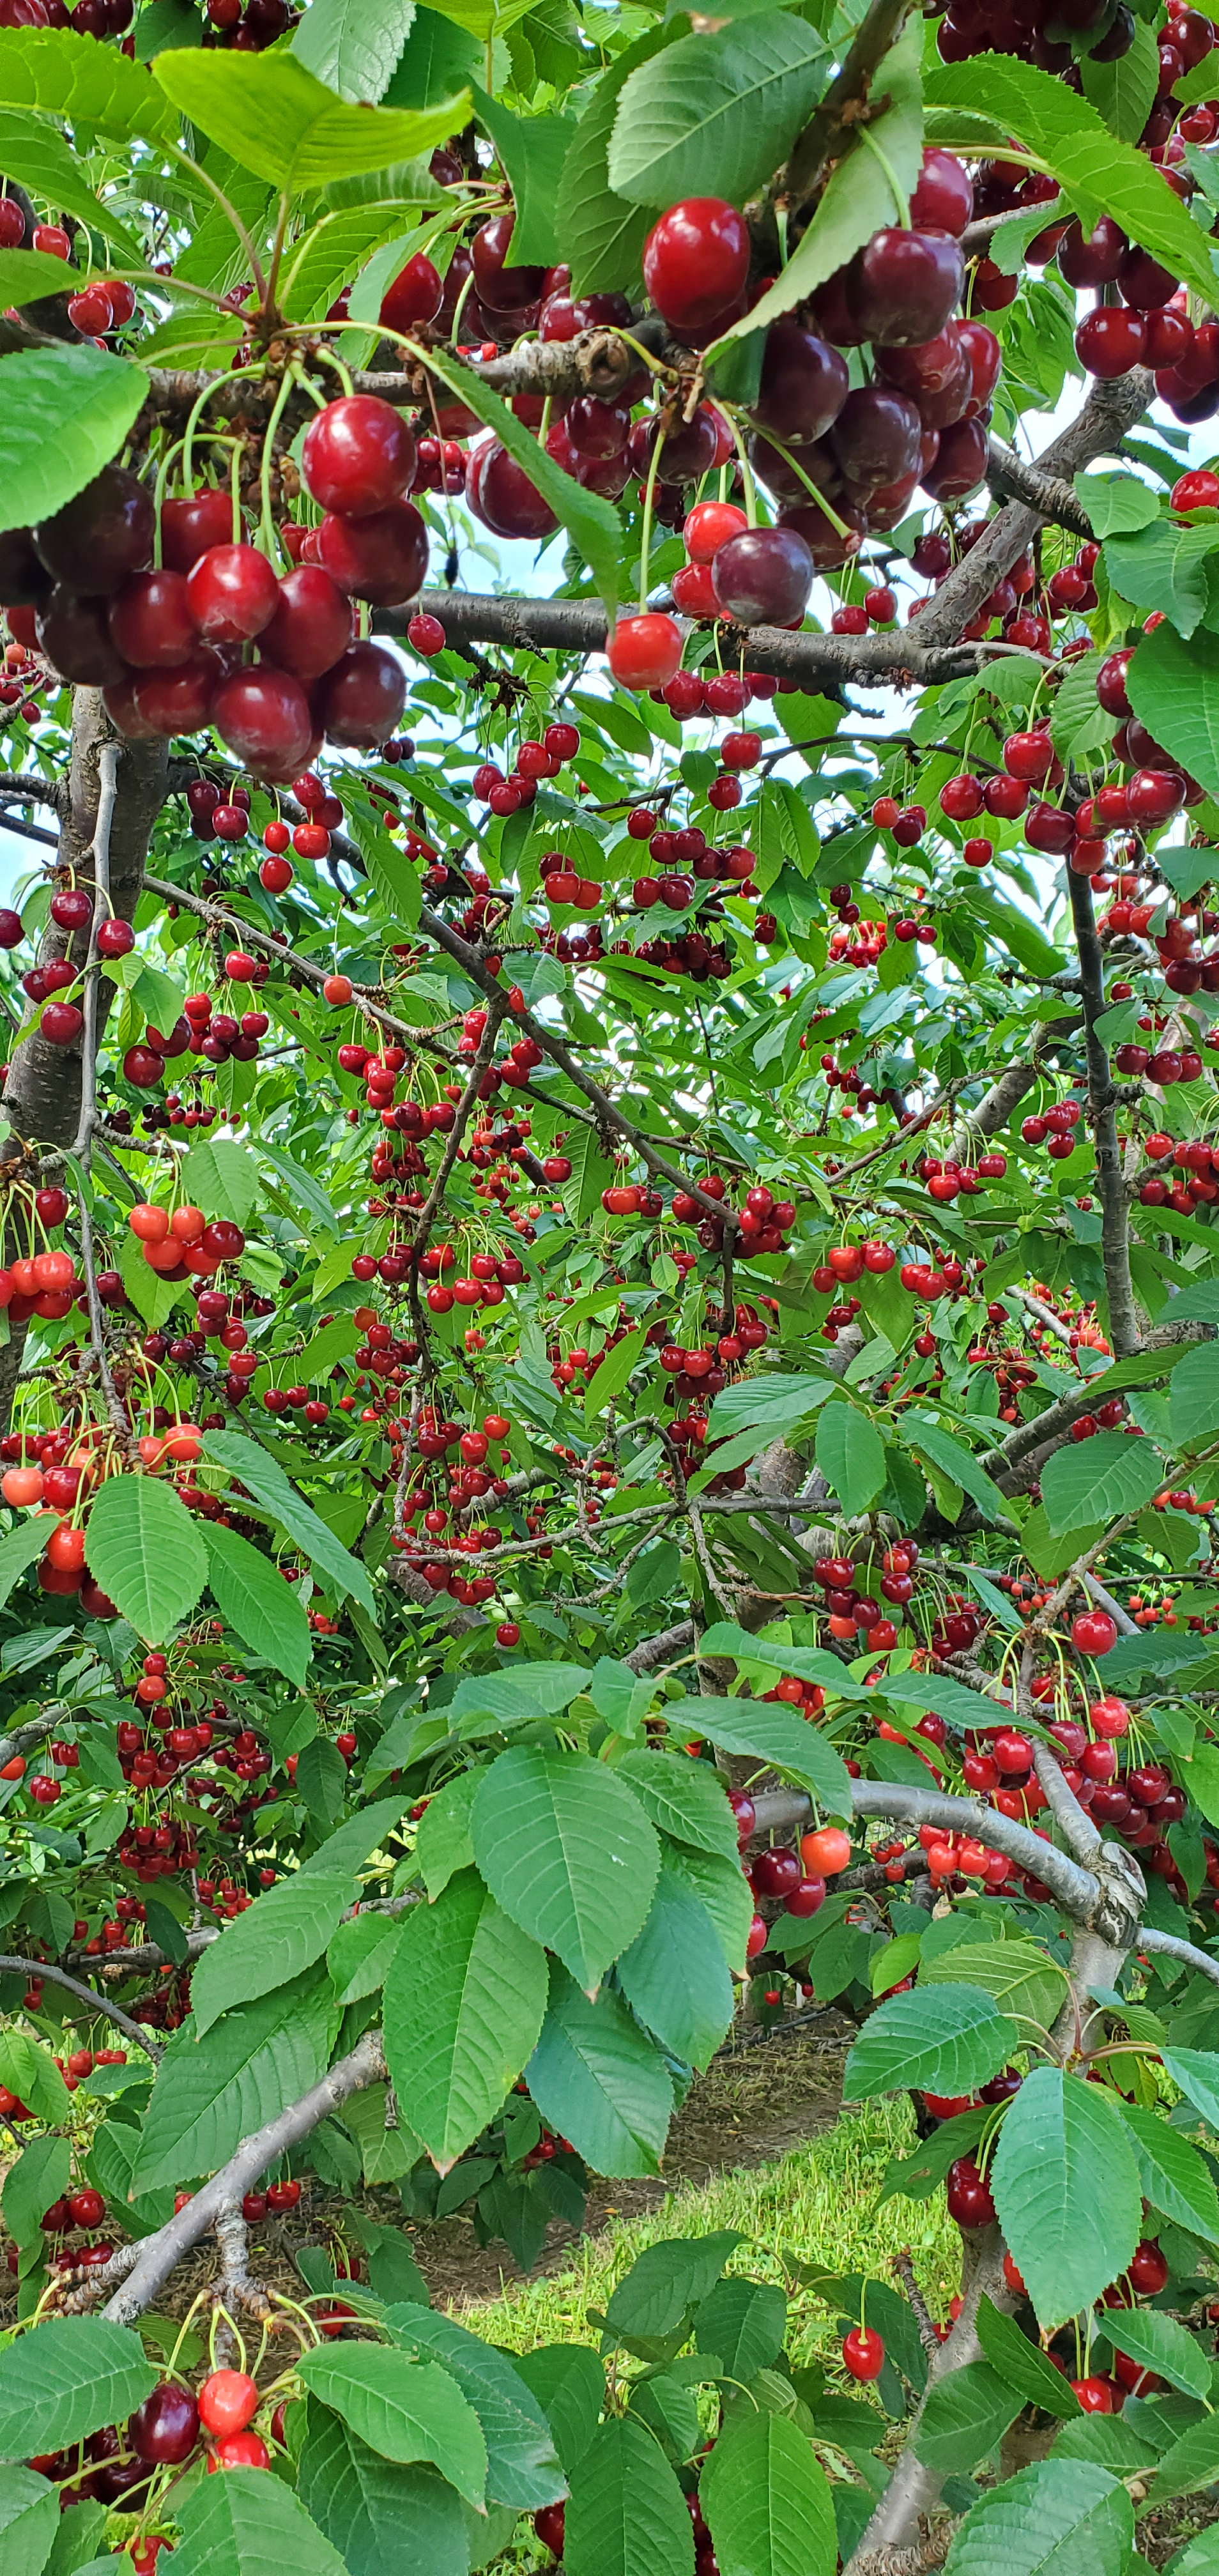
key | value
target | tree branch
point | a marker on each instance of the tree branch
(1015, 478)
(1102, 1110)
(845, 102)
(100, 2004)
(1077, 1890)
(1167, 1945)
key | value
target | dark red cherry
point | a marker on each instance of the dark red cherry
(165, 2429)
(415, 295)
(501, 495)
(984, 353)
(74, 633)
(24, 578)
(190, 526)
(597, 428)
(696, 262)
(961, 463)
(906, 284)
(827, 546)
(362, 698)
(804, 384)
(763, 576)
(382, 558)
(312, 625)
(1094, 259)
(875, 438)
(150, 621)
(178, 701)
(358, 456)
(943, 198)
(100, 536)
(501, 288)
(263, 716)
(1111, 340)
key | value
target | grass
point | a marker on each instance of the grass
(819, 2203)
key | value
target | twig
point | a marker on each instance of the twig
(903, 2265)
(1167, 1945)
(100, 2004)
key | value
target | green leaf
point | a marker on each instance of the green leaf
(609, 1380)
(211, 2092)
(1193, 1401)
(1164, 566)
(857, 196)
(531, 151)
(686, 1799)
(275, 1940)
(220, 1177)
(90, 84)
(675, 1976)
(1023, 2365)
(404, 2410)
(940, 2039)
(568, 1852)
(1172, 2175)
(923, 2172)
(770, 1733)
(743, 2324)
(1124, 92)
(28, 275)
(1096, 172)
(251, 1594)
(964, 2417)
(1164, 2346)
(437, 60)
(599, 2082)
(1060, 2515)
(592, 524)
(851, 1455)
(1079, 724)
(1173, 686)
(653, 2299)
(275, 119)
(716, 112)
(265, 1480)
(18, 1550)
(1191, 2462)
(353, 45)
(523, 2467)
(144, 1549)
(569, 2383)
(603, 233)
(29, 2522)
(1196, 2070)
(767, 2501)
(1016, 1974)
(36, 155)
(930, 1441)
(65, 411)
(774, 1406)
(1066, 2188)
(375, 2511)
(246, 2523)
(41, 2173)
(627, 2515)
(444, 1843)
(1115, 1475)
(1107, 2440)
(65, 2378)
(465, 1998)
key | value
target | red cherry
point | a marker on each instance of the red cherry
(150, 621)
(381, 558)
(863, 2353)
(231, 593)
(644, 651)
(241, 2451)
(1111, 340)
(189, 527)
(425, 635)
(416, 295)
(904, 285)
(227, 2401)
(263, 716)
(696, 262)
(358, 456)
(312, 625)
(763, 576)
(362, 698)
(165, 2428)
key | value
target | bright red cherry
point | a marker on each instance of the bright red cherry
(231, 593)
(696, 262)
(645, 651)
(312, 625)
(362, 698)
(227, 2401)
(415, 296)
(263, 716)
(863, 2353)
(358, 456)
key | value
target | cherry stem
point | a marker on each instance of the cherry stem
(197, 171)
(645, 537)
(819, 497)
(900, 198)
(277, 252)
(266, 528)
(331, 358)
(751, 489)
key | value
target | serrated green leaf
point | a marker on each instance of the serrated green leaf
(569, 1854)
(66, 411)
(63, 2379)
(1023, 2364)
(716, 111)
(1115, 1475)
(851, 1455)
(275, 119)
(211, 2092)
(353, 45)
(251, 1594)
(246, 2523)
(767, 2501)
(1066, 2188)
(146, 1552)
(465, 1997)
(404, 2410)
(940, 2039)
(1057, 2516)
(598, 2081)
(627, 2515)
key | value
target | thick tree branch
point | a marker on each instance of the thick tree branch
(1016, 479)
(845, 103)
(1077, 1890)
(1167, 1945)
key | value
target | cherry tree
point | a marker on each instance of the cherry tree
(610, 1404)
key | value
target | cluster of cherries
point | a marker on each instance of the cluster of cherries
(166, 644)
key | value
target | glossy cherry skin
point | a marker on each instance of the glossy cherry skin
(178, 701)
(100, 536)
(263, 716)
(358, 456)
(166, 2427)
(644, 652)
(1111, 340)
(381, 558)
(415, 296)
(74, 633)
(150, 621)
(1094, 259)
(190, 526)
(876, 436)
(228, 2401)
(827, 547)
(961, 463)
(763, 576)
(232, 593)
(597, 428)
(804, 384)
(863, 2353)
(312, 626)
(943, 198)
(24, 579)
(501, 495)
(502, 289)
(904, 285)
(362, 698)
(985, 355)
(696, 262)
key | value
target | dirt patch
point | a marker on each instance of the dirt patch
(754, 2103)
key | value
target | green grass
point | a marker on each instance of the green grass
(818, 2203)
